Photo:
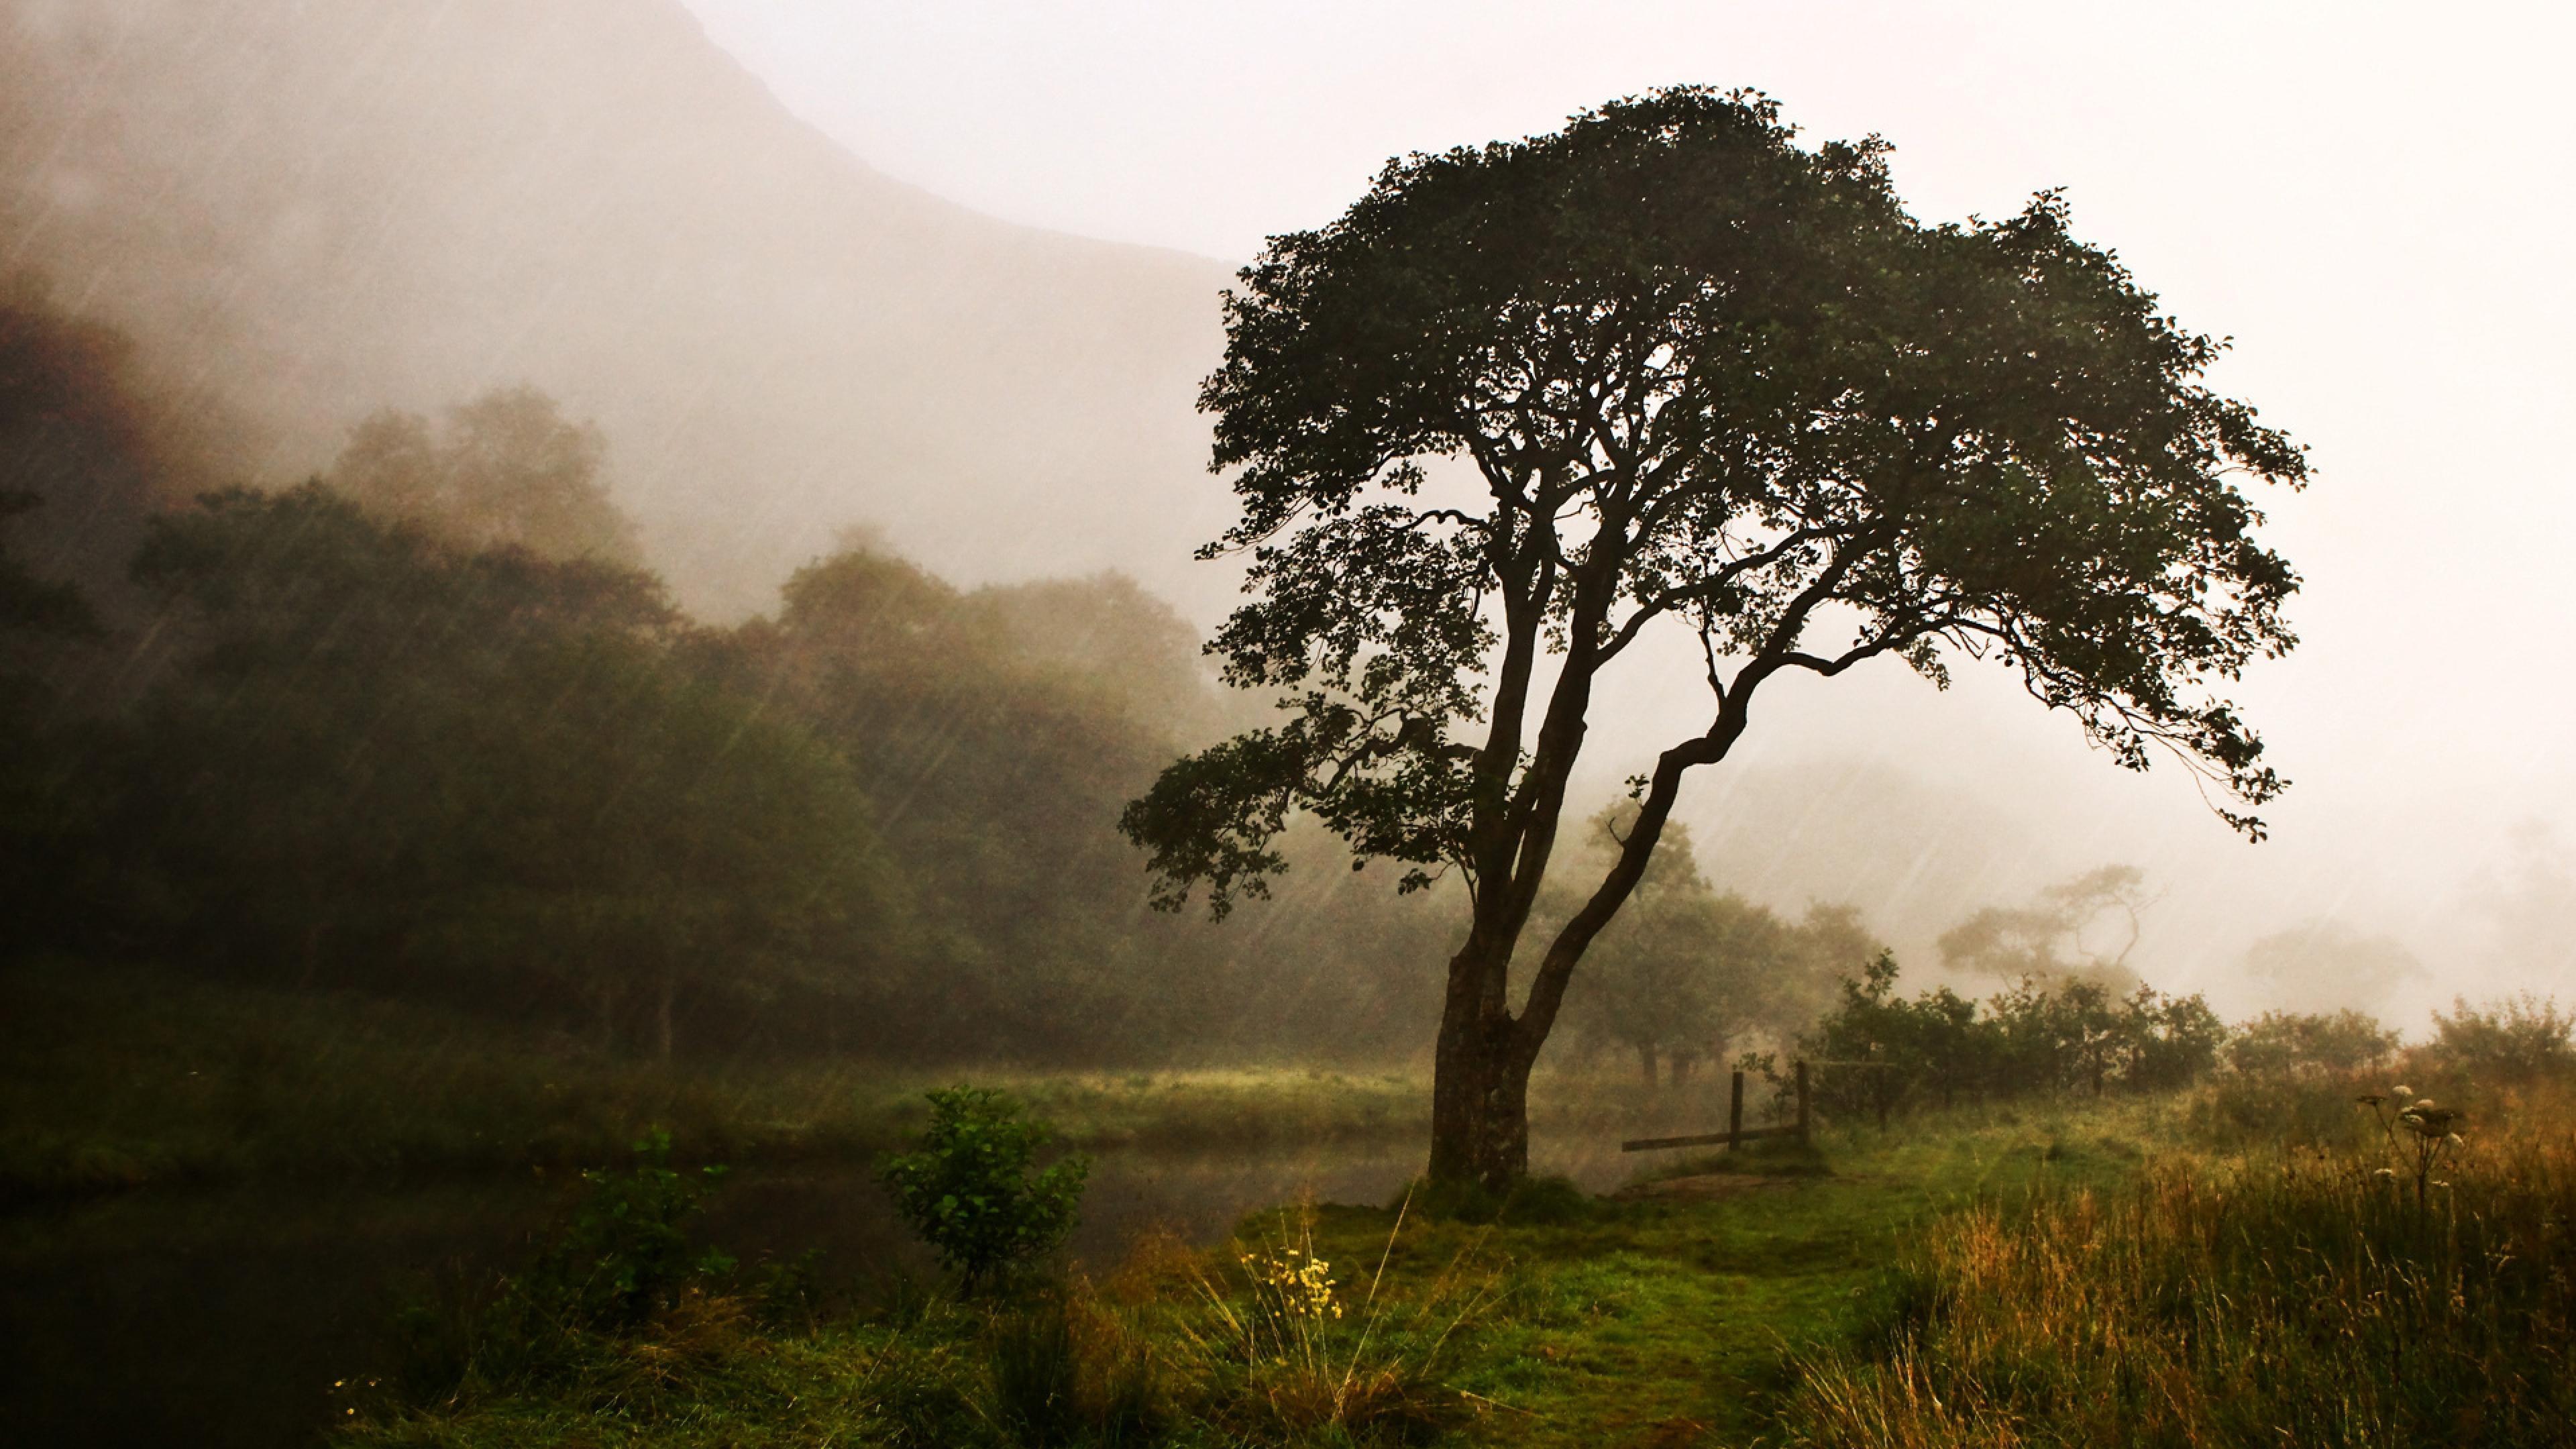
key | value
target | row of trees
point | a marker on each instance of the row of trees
(422, 726)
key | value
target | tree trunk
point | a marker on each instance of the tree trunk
(1683, 1061)
(1480, 1077)
(1646, 1063)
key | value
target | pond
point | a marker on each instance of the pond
(221, 1317)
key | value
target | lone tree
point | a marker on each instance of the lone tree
(1705, 383)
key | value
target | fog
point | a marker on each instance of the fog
(2365, 198)
(950, 273)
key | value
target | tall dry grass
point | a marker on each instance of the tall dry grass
(2302, 1298)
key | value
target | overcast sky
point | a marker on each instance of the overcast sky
(2373, 200)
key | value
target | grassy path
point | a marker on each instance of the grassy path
(1671, 1317)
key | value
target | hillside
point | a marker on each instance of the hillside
(313, 211)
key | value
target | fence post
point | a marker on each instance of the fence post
(1735, 1114)
(1803, 1133)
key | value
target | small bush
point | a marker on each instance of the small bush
(626, 1253)
(622, 1267)
(971, 1192)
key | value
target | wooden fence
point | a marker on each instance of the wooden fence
(1736, 1133)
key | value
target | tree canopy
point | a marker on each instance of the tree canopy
(1667, 375)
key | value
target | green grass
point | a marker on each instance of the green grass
(1660, 1320)
(119, 1078)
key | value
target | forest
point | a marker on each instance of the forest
(392, 727)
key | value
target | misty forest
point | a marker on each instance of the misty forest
(659, 790)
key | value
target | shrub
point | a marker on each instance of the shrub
(621, 1267)
(626, 1253)
(2280, 1042)
(971, 1192)
(1876, 1051)
(2516, 1039)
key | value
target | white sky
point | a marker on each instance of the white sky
(2375, 201)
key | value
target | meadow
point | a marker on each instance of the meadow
(2124, 1272)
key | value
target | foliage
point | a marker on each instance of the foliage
(1708, 386)
(2031, 1038)
(971, 1189)
(626, 1254)
(2281, 1042)
(417, 729)
(378, 754)
(620, 1270)
(1686, 970)
(2516, 1039)
(1280, 1352)
(510, 472)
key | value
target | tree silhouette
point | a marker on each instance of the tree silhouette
(1712, 389)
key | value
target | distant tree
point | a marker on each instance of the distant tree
(2082, 929)
(1687, 970)
(1710, 387)
(1111, 637)
(2324, 964)
(508, 470)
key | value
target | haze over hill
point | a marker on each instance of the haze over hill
(304, 213)
(317, 211)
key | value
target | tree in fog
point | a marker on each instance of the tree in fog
(1708, 389)
(2082, 928)
(386, 761)
(508, 469)
(1686, 970)
(2325, 964)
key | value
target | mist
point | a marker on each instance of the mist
(601, 571)
(304, 218)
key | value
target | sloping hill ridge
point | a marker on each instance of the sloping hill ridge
(312, 210)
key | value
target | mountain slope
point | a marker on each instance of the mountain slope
(314, 210)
